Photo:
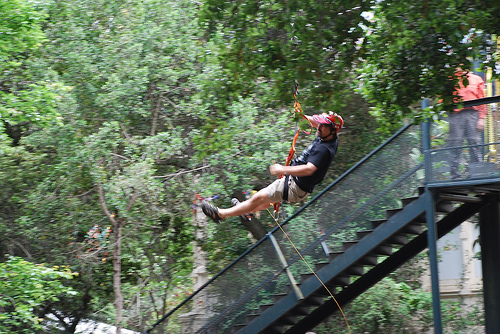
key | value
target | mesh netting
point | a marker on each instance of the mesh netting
(331, 218)
(461, 159)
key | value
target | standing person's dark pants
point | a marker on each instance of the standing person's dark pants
(463, 126)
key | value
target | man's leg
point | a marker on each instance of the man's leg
(259, 201)
(246, 216)
(473, 136)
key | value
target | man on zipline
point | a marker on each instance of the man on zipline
(300, 177)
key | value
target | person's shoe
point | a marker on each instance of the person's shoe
(246, 216)
(210, 211)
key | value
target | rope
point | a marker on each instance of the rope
(312, 270)
(298, 111)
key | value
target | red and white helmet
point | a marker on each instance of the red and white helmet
(332, 119)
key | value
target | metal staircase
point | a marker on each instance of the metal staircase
(361, 264)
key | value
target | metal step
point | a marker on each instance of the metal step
(348, 244)
(392, 212)
(362, 234)
(369, 260)
(398, 239)
(288, 320)
(305, 276)
(413, 229)
(459, 198)
(341, 280)
(376, 223)
(252, 316)
(408, 200)
(444, 206)
(382, 250)
(354, 271)
(318, 266)
(334, 255)
(314, 301)
(278, 296)
(300, 310)
(264, 307)
(237, 327)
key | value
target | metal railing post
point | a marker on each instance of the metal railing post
(426, 145)
(282, 258)
(431, 225)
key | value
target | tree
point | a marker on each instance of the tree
(21, 28)
(311, 42)
(127, 82)
(26, 95)
(25, 290)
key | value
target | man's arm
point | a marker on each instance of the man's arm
(299, 170)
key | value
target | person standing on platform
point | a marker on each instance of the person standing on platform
(466, 123)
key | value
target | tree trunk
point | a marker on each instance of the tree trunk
(117, 269)
(117, 261)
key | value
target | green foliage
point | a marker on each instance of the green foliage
(26, 94)
(120, 130)
(282, 43)
(461, 320)
(402, 52)
(37, 104)
(20, 28)
(388, 307)
(411, 52)
(25, 289)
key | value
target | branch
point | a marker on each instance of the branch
(132, 200)
(85, 193)
(120, 156)
(22, 248)
(102, 201)
(156, 112)
(180, 173)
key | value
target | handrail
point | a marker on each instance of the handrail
(484, 100)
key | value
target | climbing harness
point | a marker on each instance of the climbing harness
(297, 113)
(312, 270)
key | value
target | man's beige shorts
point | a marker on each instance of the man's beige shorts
(295, 194)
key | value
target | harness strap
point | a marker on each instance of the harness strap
(286, 188)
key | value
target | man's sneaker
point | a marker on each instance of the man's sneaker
(210, 211)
